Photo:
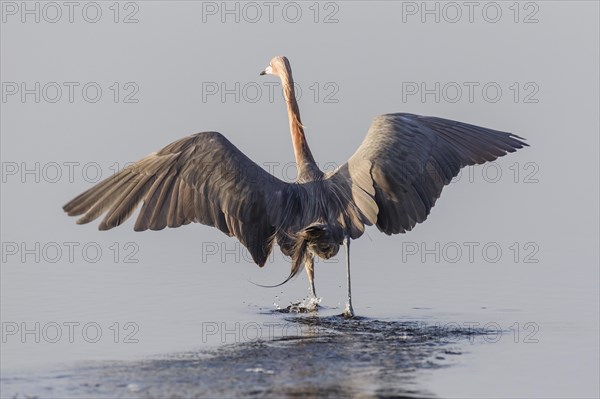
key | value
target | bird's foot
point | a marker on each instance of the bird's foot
(348, 312)
(312, 303)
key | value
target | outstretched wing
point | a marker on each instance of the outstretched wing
(201, 178)
(399, 170)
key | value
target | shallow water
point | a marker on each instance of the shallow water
(312, 355)
(452, 339)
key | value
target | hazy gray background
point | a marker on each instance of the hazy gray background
(369, 55)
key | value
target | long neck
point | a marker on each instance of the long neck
(304, 159)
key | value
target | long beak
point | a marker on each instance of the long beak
(268, 70)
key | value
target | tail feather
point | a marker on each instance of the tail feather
(318, 239)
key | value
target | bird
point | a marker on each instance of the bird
(392, 181)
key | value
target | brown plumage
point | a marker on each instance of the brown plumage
(392, 181)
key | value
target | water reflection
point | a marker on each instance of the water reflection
(320, 357)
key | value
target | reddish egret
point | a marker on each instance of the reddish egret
(392, 180)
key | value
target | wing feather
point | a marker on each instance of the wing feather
(406, 160)
(201, 178)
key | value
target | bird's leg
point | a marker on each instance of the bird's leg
(313, 302)
(348, 312)
(309, 265)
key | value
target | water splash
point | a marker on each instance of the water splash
(309, 304)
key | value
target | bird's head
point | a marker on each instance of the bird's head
(277, 66)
